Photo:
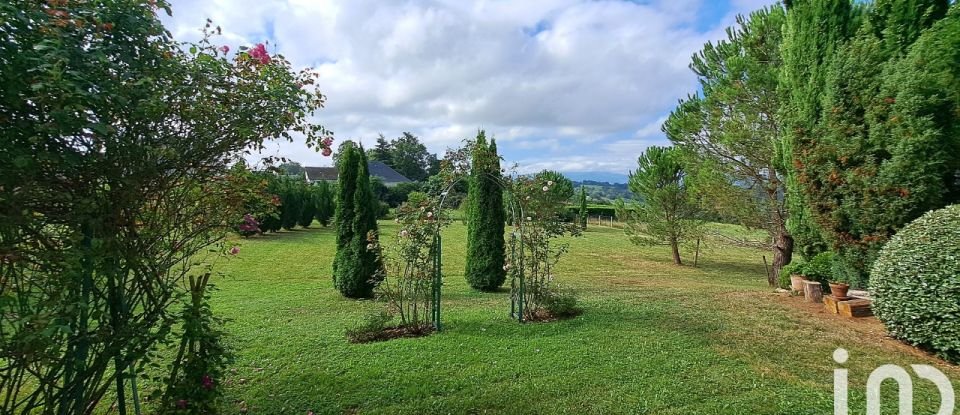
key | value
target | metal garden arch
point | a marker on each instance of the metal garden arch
(517, 283)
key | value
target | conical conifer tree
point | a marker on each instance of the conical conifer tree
(357, 264)
(485, 219)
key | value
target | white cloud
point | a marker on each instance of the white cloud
(545, 77)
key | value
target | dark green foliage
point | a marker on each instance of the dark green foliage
(820, 268)
(357, 263)
(582, 213)
(371, 329)
(886, 151)
(560, 303)
(290, 168)
(900, 22)
(813, 31)
(324, 203)
(292, 199)
(486, 217)
(270, 220)
(347, 165)
(916, 283)
(308, 205)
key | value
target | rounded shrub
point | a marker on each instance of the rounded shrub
(916, 283)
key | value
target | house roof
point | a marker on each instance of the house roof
(321, 173)
(385, 172)
(377, 168)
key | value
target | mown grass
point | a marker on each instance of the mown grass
(654, 339)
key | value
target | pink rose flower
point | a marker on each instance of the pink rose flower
(207, 382)
(225, 49)
(326, 152)
(259, 53)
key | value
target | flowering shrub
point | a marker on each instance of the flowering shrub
(194, 384)
(118, 143)
(538, 220)
(407, 285)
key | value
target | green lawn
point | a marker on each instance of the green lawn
(654, 338)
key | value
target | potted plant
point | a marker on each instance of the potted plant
(794, 271)
(839, 288)
(820, 268)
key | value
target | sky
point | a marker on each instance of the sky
(567, 85)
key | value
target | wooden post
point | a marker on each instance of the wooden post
(812, 292)
(696, 256)
(765, 267)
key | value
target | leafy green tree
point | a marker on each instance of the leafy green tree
(812, 32)
(407, 155)
(324, 203)
(582, 213)
(115, 149)
(291, 168)
(668, 214)
(886, 148)
(560, 186)
(732, 133)
(486, 247)
(382, 151)
(357, 264)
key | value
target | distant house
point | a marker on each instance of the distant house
(388, 175)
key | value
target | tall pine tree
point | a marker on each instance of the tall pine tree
(486, 247)
(357, 264)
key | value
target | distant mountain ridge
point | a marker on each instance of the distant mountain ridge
(596, 176)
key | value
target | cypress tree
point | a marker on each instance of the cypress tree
(883, 157)
(582, 215)
(344, 210)
(308, 207)
(357, 264)
(486, 247)
(292, 203)
(324, 203)
(813, 30)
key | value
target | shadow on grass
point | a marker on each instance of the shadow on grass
(298, 234)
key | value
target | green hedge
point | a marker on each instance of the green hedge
(916, 283)
(593, 210)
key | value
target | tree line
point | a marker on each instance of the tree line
(829, 123)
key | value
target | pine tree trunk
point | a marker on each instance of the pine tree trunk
(675, 246)
(782, 253)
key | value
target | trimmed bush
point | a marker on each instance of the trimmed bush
(916, 283)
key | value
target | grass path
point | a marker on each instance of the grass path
(654, 339)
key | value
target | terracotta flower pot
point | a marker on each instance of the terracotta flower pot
(796, 282)
(839, 290)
